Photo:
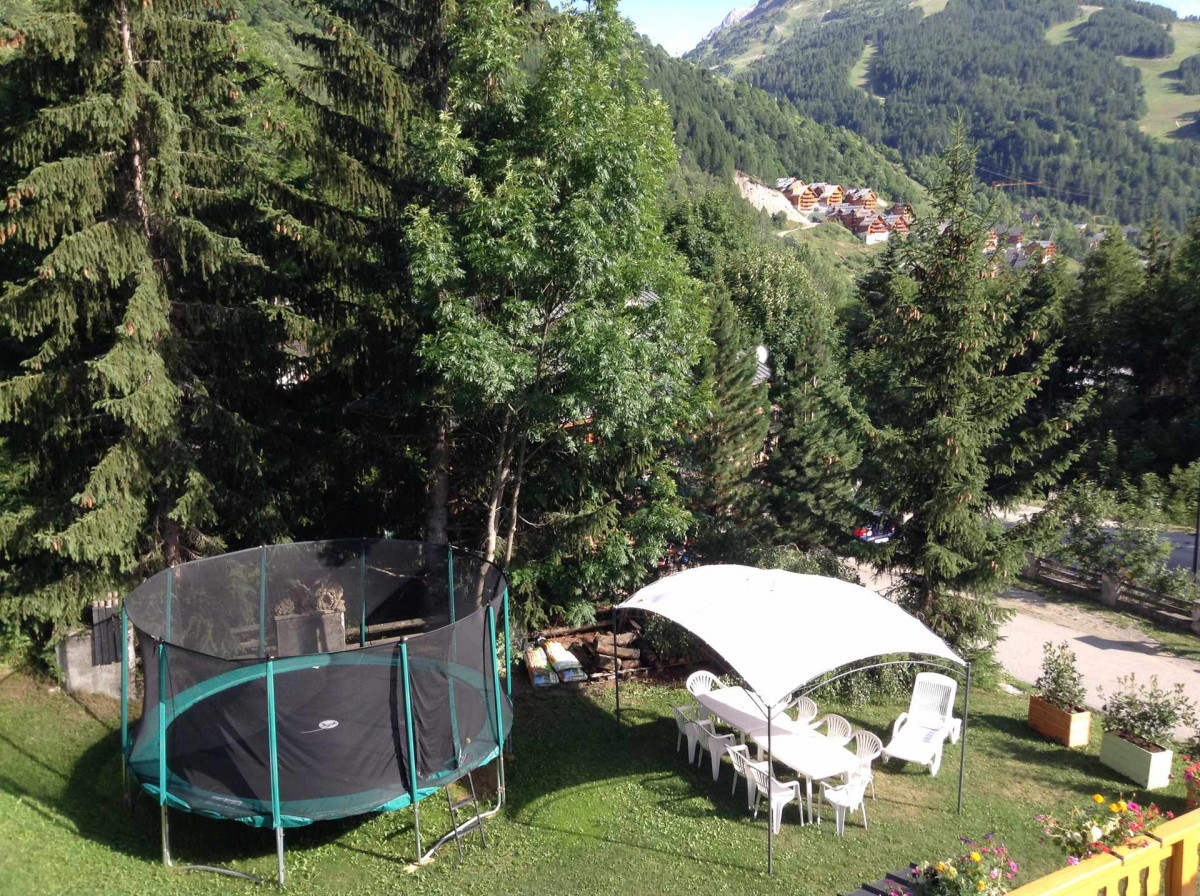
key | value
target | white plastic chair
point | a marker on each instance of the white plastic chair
(845, 798)
(778, 795)
(702, 682)
(837, 729)
(739, 755)
(715, 744)
(684, 716)
(692, 732)
(920, 734)
(868, 748)
(806, 710)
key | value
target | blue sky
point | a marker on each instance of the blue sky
(680, 24)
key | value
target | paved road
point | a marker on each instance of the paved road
(1182, 545)
(1104, 653)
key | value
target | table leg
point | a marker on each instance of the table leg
(808, 791)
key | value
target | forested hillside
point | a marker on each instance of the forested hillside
(723, 124)
(1062, 114)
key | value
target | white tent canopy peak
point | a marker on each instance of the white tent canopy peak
(781, 630)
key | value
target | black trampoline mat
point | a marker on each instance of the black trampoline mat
(340, 730)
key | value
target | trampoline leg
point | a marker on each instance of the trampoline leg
(166, 836)
(417, 827)
(279, 852)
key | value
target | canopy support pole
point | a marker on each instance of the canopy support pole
(770, 778)
(962, 760)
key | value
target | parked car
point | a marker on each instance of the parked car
(879, 530)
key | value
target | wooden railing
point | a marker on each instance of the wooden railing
(1167, 865)
(1118, 592)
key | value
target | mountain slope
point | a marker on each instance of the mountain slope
(1058, 113)
(723, 124)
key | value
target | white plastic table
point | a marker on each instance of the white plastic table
(812, 756)
(738, 709)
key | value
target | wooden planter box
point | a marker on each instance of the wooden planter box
(1071, 729)
(1146, 769)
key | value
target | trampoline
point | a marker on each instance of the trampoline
(295, 683)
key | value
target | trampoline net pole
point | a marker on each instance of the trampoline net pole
(412, 750)
(362, 594)
(124, 685)
(491, 624)
(272, 744)
(450, 576)
(279, 852)
(507, 649)
(162, 724)
(262, 601)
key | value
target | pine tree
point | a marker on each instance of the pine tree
(132, 302)
(961, 356)
(732, 438)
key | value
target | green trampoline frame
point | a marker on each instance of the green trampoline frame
(168, 789)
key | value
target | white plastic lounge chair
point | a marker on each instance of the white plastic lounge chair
(714, 744)
(868, 748)
(739, 755)
(837, 729)
(780, 794)
(919, 734)
(845, 798)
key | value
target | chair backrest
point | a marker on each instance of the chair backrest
(683, 717)
(806, 710)
(932, 702)
(758, 776)
(855, 787)
(737, 755)
(837, 729)
(867, 747)
(702, 682)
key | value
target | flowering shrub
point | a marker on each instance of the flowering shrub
(1060, 683)
(985, 869)
(1191, 776)
(1148, 713)
(1100, 826)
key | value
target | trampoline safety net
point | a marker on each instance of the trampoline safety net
(299, 682)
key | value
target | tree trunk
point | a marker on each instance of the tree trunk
(438, 490)
(137, 164)
(516, 496)
(499, 482)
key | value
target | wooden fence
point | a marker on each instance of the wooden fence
(1118, 592)
(1166, 865)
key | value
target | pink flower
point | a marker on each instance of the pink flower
(1072, 860)
(1013, 866)
(994, 873)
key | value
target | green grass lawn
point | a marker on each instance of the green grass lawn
(859, 74)
(594, 808)
(846, 251)
(1171, 113)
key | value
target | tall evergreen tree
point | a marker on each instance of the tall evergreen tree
(961, 356)
(732, 438)
(133, 301)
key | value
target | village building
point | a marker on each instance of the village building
(873, 230)
(861, 196)
(801, 196)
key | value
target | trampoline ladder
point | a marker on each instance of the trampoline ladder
(472, 824)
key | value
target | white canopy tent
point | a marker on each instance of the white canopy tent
(781, 631)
